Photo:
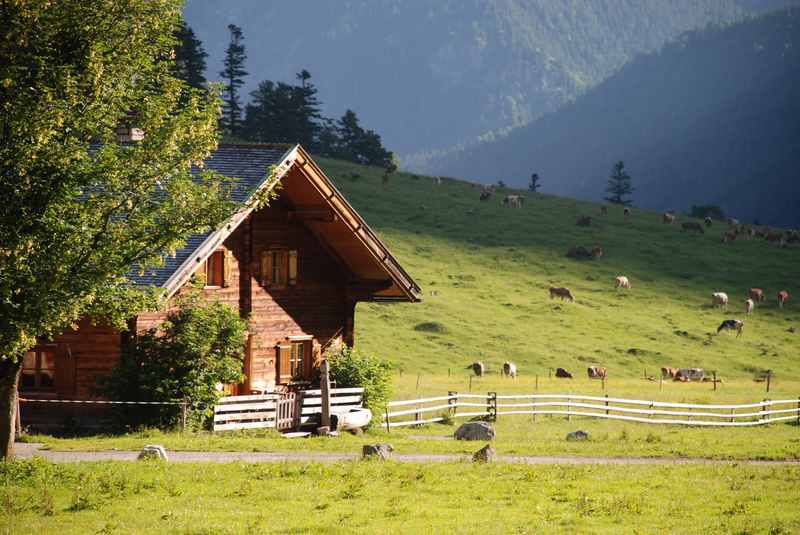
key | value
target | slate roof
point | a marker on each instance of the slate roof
(250, 165)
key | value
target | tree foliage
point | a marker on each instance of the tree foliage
(534, 183)
(702, 211)
(200, 345)
(352, 368)
(619, 185)
(233, 73)
(79, 208)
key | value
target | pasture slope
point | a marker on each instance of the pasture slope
(485, 271)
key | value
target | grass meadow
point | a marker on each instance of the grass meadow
(389, 497)
(485, 271)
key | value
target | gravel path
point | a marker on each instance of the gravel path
(25, 451)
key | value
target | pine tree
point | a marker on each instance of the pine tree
(190, 57)
(534, 184)
(619, 185)
(233, 72)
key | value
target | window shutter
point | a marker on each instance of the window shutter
(284, 367)
(266, 268)
(65, 372)
(227, 269)
(292, 267)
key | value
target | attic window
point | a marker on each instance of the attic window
(218, 269)
(278, 267)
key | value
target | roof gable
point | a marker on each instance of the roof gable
(250, 164)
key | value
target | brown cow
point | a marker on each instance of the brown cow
(668, 218)
(756, 294)
(563, 293)
(694, 226)
(729, 236)
(596, 372)
(585, 221)
(783, 296)
(622, 282)
(597, 251)
(669, 373)
(514, 201)
(564, 374)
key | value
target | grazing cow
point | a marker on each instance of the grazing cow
(597, 251)
(731, 325)
(596, 372)
(783, 296)
(693, 226)
(563, 293)
(514, 201)
(582, 253)
(585, 221)
(756, 294)
(708, 221)
(732, 222)
(748, 306)
(437, 181)
(604, 210)
(626, 213)
(668, 218)
(690, 374)
(510, 369)
(669, 373)
(477, 368)
(622, 282)
(564, 374)
(729, 236)
(486, 195)
(719, 299)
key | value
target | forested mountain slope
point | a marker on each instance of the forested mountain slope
(711, 118)
(432, 73)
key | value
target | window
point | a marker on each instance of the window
(218, 269)
(278, 267)
(296, 360)
(38, 370)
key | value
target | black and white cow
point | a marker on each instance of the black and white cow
(731, 325)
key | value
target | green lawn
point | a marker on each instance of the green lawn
(375, 497)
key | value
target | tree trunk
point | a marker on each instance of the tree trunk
(9, 379)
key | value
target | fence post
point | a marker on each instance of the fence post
(603, 379)
(491, 402)
(606, 404)
(714, 374)
(769, 376)
(183, 416)
(731, 415)
(763, 410)
(798, 410)
(18, 417)
(533, 405)
(569, 408)
(388, 427)
(537, 382)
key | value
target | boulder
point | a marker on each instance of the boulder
(153, 451)
(578, 435)
(475, 431)
(484, 455)
(377, 451)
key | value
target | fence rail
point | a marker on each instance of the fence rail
(632, 410)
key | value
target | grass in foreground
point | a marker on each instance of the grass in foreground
(375, 497)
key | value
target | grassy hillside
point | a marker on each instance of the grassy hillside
(485, 271)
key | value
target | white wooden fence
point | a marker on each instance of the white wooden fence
(491, 405)
(281, 411)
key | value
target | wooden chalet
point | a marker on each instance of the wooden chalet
(296, 268)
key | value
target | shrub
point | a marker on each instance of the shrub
(351, 368)
(200, 345)
(707, 210)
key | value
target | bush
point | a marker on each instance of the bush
(351, 368)
(200, 345)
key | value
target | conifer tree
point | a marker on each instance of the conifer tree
(190, 57)
(233, 73)
(534, 184)
(619, 185)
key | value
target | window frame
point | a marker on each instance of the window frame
(217, 256)
(38, 372)
(278, 267)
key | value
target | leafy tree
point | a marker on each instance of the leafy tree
(78, 207)
(200, 345)
(232, 73)
(190, 57)
(619, 185)
(351, 369)
(534, 184)
(359, 145)
(390, 168)
(707, 210)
